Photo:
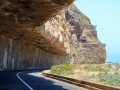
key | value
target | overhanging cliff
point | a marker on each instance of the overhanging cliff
(22, 19)
(26, 40)
(40, 33)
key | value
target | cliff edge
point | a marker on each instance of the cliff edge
(85, 47)
(79, 36)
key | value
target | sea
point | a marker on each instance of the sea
(114, 58)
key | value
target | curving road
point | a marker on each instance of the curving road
(30, 80)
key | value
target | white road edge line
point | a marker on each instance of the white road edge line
(23, 81)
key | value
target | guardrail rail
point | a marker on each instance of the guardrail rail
(81, 83)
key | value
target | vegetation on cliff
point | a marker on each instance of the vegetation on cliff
(83, 18)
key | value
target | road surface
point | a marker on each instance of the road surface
(30, 80)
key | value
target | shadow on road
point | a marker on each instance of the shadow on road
(9, 81)
(40, 83)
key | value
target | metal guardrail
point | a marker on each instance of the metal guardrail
(81, 83)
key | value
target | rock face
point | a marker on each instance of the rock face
(22, 19)
(40, 33)
(16, 55)
(84, 44)
(30, 39)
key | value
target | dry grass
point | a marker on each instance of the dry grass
(89, 72)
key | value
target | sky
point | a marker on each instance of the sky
(106, 15)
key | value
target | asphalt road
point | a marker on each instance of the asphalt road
(30, 80)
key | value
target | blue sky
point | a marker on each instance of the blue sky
(106, 15)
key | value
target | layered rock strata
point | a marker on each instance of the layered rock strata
(84, 44)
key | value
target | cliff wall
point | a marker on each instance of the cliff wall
(16, 55)
(22, 19)
(38, 34)
(31, 36)
(85, 47)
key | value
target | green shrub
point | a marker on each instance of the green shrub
(66, 63)
(71, 72)
(57, 69)
(91, 67)
(54, 69)
(109, 65)
(112, 79)
(85, 21)
(65, 68)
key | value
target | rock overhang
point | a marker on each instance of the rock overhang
(21, 19)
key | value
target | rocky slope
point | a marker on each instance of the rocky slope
(84, 44)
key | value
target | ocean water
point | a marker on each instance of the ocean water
(113, 58)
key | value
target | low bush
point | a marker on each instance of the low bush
(107, 78)
(64, 68)
(71, 72)
(90, 67)
(54, 69)
(57, 69)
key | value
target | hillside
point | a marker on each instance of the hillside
(84, 45)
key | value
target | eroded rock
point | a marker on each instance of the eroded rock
(85, 47)
(40, 33)
(22, 20)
